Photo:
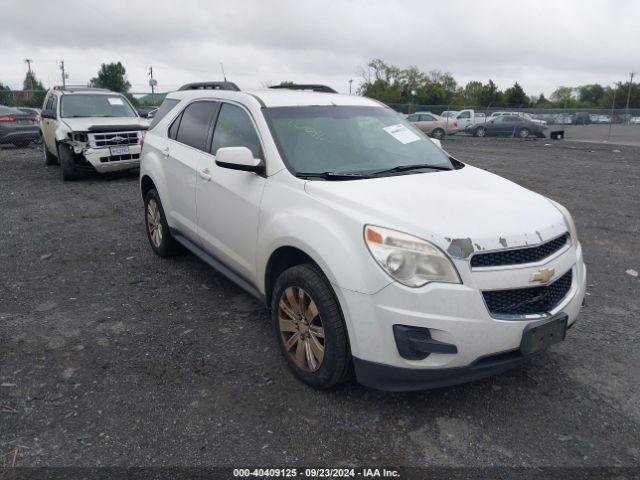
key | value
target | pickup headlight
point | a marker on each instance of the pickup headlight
(410, 260)
(568, 220)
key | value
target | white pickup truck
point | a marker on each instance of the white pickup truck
(469, 117)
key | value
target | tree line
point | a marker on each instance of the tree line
(391, 84)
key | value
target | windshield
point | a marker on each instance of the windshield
(348, 139)
(90, 105)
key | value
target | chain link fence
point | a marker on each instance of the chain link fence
(583, 124)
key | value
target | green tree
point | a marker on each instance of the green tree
(473, 93)
(515, 96)
(31, 82)
(112, 76)
(562, 95)
(591, 94)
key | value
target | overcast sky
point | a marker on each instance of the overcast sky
(541, 45)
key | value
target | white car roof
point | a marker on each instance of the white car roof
(279, 97)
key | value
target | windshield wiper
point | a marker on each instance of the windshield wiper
(405, 168)
(332, 175)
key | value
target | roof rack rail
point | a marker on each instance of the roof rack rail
(210, 86)
(310, 86)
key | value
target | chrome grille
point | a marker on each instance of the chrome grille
(113, 139)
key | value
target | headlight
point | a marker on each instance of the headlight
(409, 260)
(568, 220)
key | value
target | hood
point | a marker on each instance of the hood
(461, 211)
(82, 124)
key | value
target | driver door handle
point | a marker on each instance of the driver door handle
(205, 174)
(165, 152)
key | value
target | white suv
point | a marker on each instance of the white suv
(375, 250)
(90, 129)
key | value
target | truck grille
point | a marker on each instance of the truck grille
(115, 139)
(519, 255)
(528, 301)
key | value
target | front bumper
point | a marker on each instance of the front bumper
(102, 160)
(454, 314)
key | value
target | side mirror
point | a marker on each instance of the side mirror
(238, 158)
(48, 114)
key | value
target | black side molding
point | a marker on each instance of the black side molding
(219, 266)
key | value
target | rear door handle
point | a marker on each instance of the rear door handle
(205, 174)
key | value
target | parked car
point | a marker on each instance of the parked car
(374, 250)
(581, 118)
(563, 119)
(468, 117)
(90, 129)
(17, 127)
(507, 125)
(520, 114)
(634, 121)
(434, 125)
(144, 111)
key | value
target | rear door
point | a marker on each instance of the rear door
(426, 122)
(188, 137)
(229, 200)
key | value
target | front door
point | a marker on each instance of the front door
(228, 201)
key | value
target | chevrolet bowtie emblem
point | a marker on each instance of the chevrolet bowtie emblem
(544, 275)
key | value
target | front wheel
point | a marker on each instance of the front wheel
(438, 133)
(310, 328)
(67, 161)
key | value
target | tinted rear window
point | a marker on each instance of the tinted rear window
(195, 124)
(165, 108)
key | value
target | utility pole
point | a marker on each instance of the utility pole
(350, 82)
(62, 72)
(152, 83)
(629, 96)
(28, 62)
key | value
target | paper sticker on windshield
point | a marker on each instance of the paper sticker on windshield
(115, 101)
(401, 133)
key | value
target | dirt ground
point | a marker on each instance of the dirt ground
(110, 355)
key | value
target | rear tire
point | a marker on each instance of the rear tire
(438, 133)
(310, 328)
(479, 132)
(158, 232)
(67, 161)
(524, 133)
(49, 158)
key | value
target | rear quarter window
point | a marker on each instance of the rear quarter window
(165, 108)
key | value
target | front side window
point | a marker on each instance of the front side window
(350, 139)
(235, 129)
(92, 105)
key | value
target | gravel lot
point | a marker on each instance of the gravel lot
(110, 355)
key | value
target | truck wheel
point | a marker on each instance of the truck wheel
(49, 158)
(438, 133)
(479, 132)
(158, 233)
(69, 169)
(523, 133)
(310, 328)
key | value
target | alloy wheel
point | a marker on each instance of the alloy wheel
(154, 223)
(301, 328)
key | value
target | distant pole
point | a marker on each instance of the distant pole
(152, 84)
(613, 106)
(629, 97)
(350, 82)
(28, 62)
(62, 72)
